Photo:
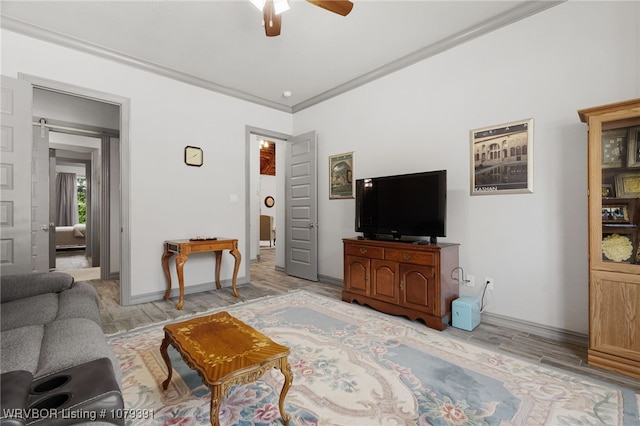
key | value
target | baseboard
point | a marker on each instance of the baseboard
(331, 280)
(321, 278)
(175, 291)
(552, 333)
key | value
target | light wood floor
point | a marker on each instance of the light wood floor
(267, 281)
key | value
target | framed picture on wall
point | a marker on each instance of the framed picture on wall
(341, 176)
(607, 190)
(633, 154)
(614, 148)
(628, 185)
(502, 158)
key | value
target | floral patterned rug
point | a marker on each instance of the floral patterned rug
(355, 366)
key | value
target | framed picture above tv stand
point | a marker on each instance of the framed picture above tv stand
(413, 280)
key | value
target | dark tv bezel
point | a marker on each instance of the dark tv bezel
(376, 232)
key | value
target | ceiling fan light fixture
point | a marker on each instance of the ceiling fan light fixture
(279, 6)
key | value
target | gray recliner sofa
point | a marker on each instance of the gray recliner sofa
(56, 363)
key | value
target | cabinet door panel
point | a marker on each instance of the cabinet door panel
(418, 287)
(615, 304)
(356, 274)
(384, 281)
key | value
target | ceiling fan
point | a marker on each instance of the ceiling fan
(271, 10)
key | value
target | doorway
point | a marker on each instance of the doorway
(110, 166)
(268, 182)
(296, 225)
(81, 134)
(74, 240)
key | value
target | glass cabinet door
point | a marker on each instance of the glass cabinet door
(614, 186)
(620, 194)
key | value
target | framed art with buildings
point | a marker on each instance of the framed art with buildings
(341, 181)
(502, 158)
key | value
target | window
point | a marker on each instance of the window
(81, 186)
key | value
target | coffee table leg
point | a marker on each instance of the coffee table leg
(216, 401)
(167, 360)
(288, 379)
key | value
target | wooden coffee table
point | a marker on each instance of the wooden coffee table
(225, 352)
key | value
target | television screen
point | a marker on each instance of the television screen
(410, 205)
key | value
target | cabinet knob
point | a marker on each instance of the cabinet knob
(363, 250)
(406, 256)
(401, 285)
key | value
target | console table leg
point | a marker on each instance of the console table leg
(236, 254)
(218, 263)
(167, 360)
(180, 261)
(165, 266)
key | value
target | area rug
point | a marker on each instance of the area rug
(354, 366)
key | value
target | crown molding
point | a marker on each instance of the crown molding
(515, 14)
(40, 33)
(519, 12)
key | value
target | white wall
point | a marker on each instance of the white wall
(169, 200)
(575, 55)
(572, 56)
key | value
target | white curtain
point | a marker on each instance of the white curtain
(66, 199)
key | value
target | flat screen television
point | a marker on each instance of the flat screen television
(402, 205)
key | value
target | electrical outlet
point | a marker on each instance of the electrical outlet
(489, 282)
(471, 281)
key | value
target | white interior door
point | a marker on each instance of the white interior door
(15, 177)
(301, 233)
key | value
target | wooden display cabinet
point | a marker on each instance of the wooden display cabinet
(614, 236)
(401, 278)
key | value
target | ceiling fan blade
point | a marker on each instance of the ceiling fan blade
(272, 22)
(341, 7)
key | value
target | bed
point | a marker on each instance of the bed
(71, 236)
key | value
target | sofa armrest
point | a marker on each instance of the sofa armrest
(14, 392)
(13, 287)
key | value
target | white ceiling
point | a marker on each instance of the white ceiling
(221, 45)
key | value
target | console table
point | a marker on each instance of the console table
(183, 248)
(401, 278)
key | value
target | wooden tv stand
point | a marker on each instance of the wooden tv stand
(402, 278)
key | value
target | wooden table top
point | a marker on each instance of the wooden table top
(221, 346)
(204, 240)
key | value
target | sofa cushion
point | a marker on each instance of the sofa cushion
(20, 348)
(13, 287)
(80, 301)
(73, 341)
(35, 310)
